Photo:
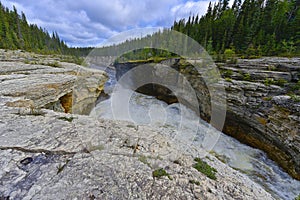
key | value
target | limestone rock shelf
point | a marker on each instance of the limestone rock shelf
(56, 85)
(46, 154)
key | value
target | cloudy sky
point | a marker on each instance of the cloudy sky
(91, 22)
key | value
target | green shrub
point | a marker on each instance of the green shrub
(296, 86)
(271, 68)
(157, 59)
(228, 79)
(247, 77)
(295, 98)
(281, 82)
(160, 173)
(229, 56)
(228, 53)
(204, 168)
(269, 81)
(298, 197)
(227, 73)
(267, 98)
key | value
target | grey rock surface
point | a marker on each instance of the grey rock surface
(53, 155)
(66, 87)
(48, 157)
(261, 110)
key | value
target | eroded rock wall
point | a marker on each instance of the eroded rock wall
(263, 109)
(65, 87)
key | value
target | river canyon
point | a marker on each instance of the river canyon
(56, 137)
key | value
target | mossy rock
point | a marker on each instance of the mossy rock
(160, 173)
(205, 169)
(194, 182)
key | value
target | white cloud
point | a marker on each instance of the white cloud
(89, 22)
(188, 8)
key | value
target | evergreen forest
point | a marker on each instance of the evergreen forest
(248, 28)
(251, 27)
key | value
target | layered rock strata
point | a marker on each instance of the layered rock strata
(262, 99)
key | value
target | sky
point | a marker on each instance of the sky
(82, 23)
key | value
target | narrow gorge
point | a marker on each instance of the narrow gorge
(263, 109)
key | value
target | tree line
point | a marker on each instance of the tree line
(251, 27)
(16, 33)
(248, 28)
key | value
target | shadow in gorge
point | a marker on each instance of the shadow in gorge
(158, 91)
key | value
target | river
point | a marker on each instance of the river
(147, 110)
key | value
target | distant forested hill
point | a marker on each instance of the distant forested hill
(251, 27)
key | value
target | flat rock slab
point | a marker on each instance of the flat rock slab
(50, 157)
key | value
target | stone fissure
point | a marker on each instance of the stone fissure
(51, 152)
(66, 101)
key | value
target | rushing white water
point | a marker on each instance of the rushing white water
(147, 110)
